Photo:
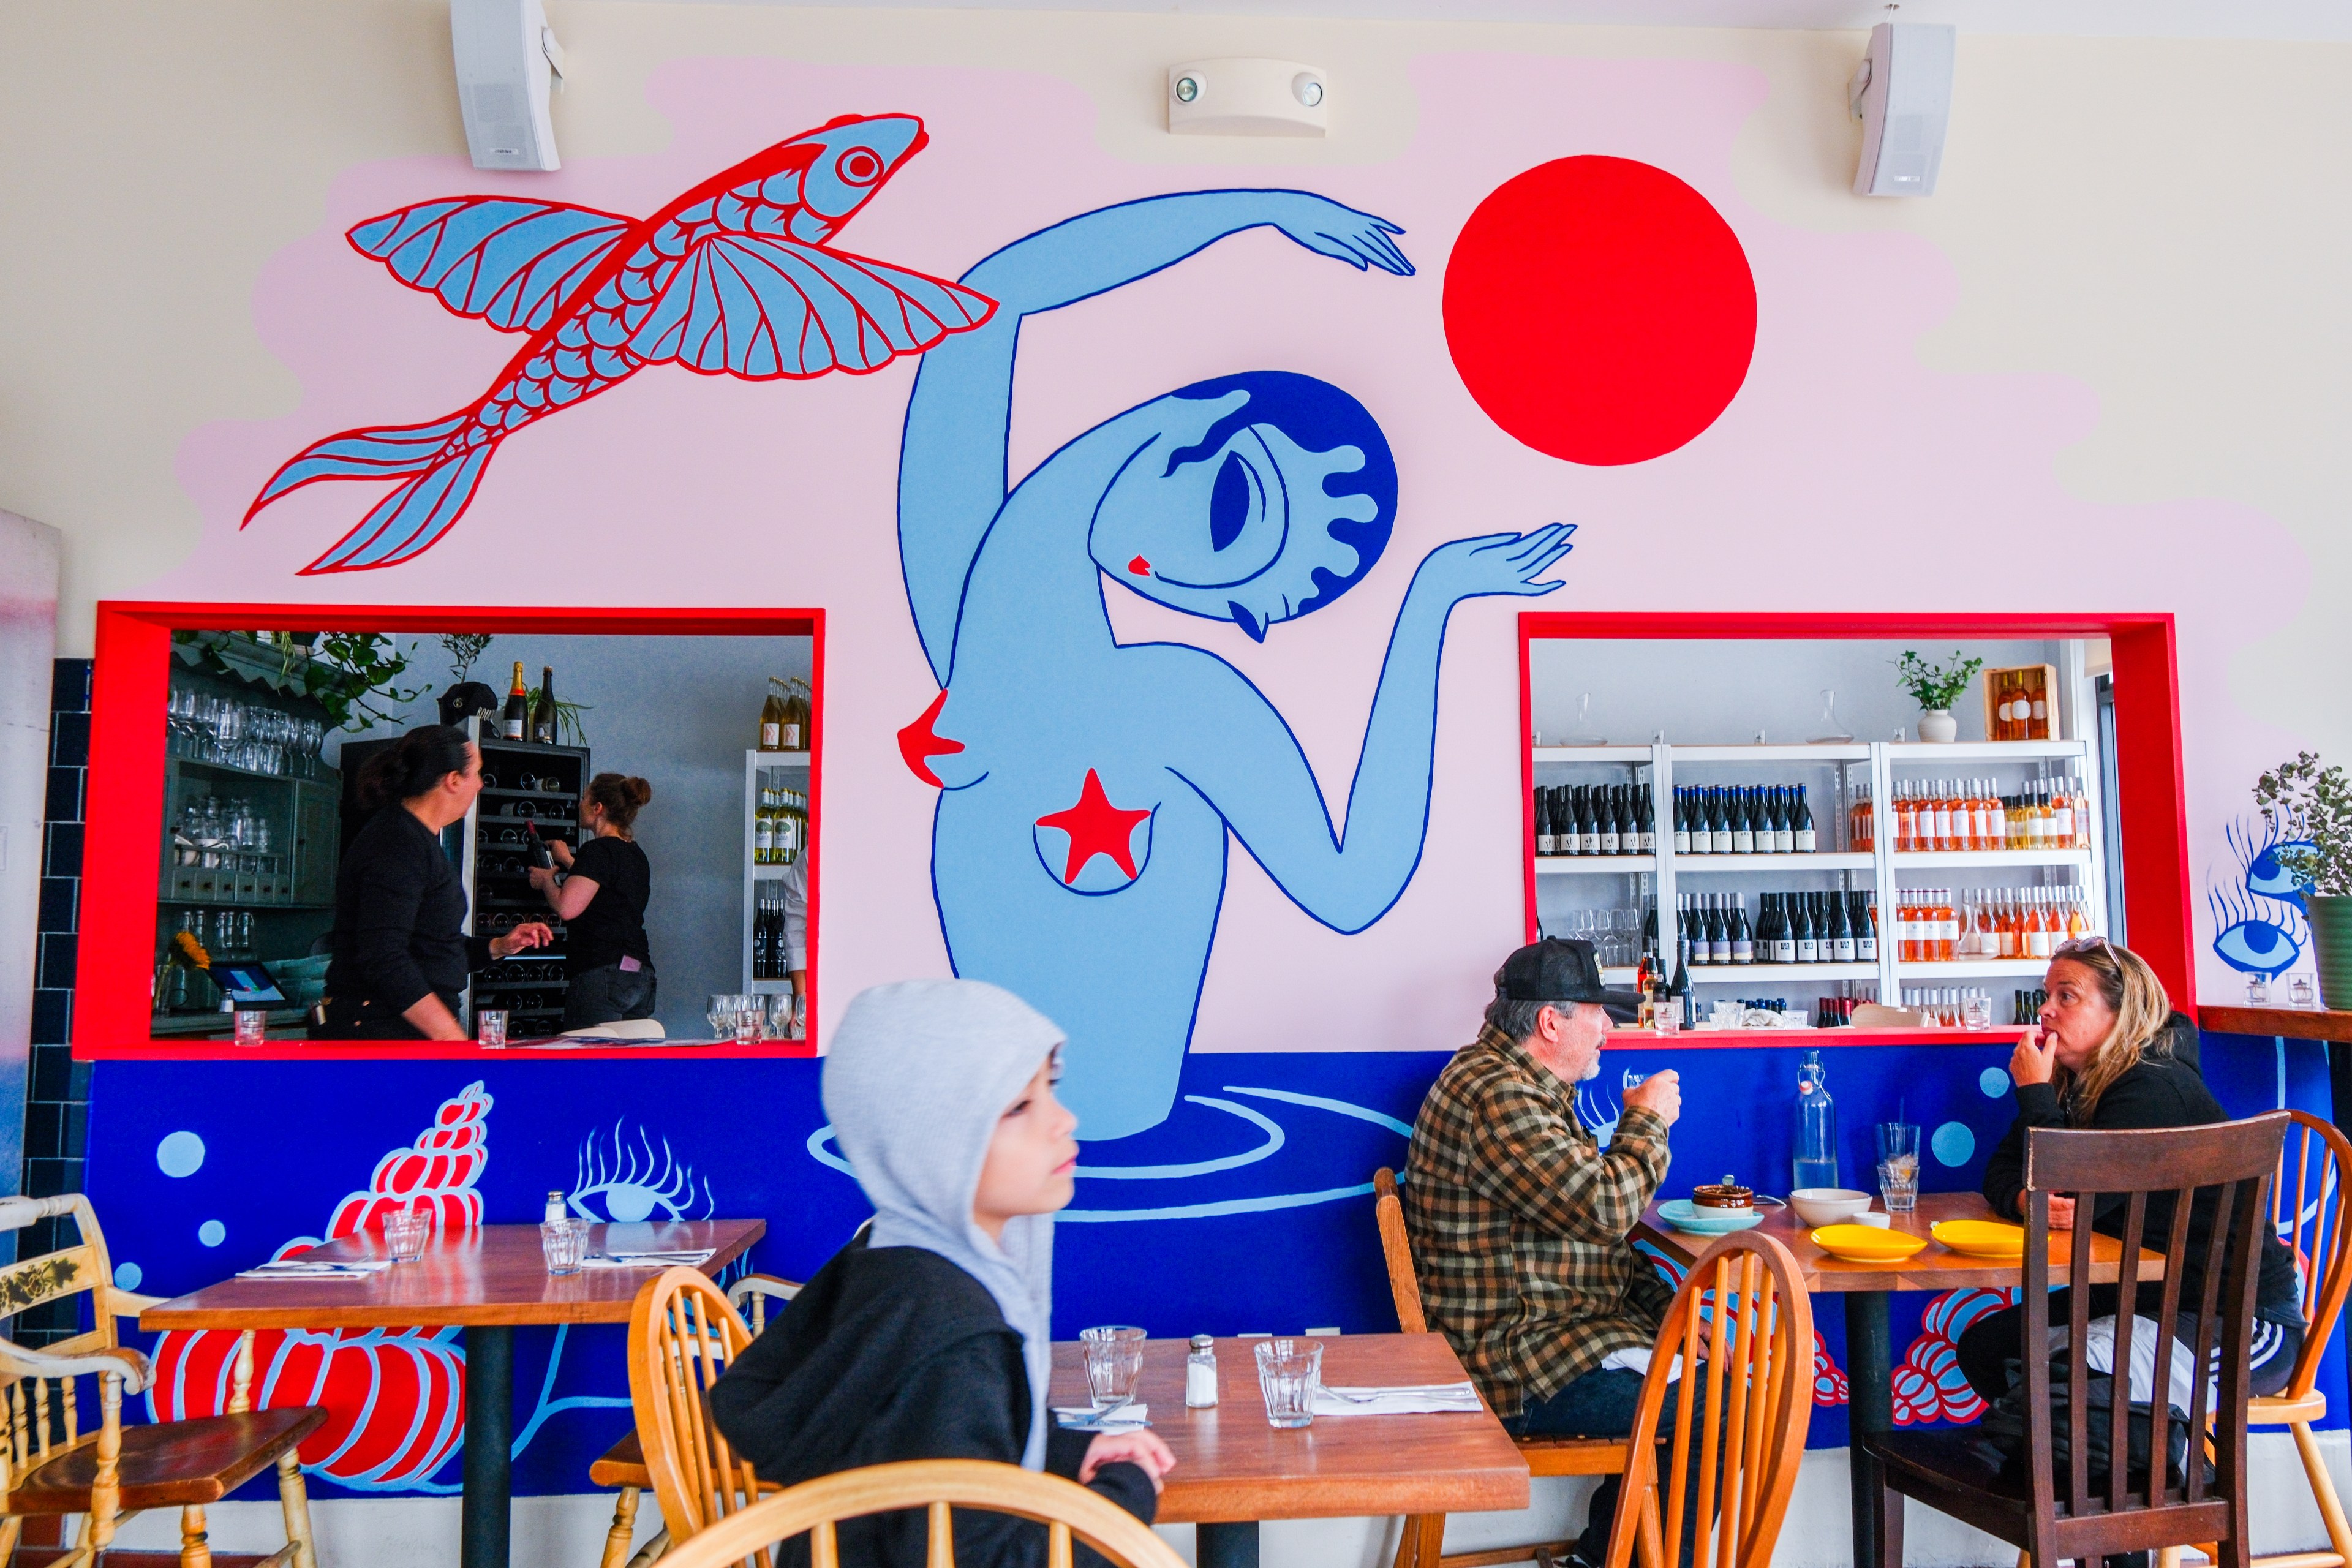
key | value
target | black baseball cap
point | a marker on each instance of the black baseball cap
(1562, 969)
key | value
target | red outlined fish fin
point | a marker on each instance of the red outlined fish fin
(506, 261)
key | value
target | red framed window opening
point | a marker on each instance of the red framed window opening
(129, 686)
(2150, 794)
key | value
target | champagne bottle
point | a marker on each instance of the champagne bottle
(543, 712)
(1743, 940)
(1803, 831)
(772, 718)
(518, 710)
(1842, 943)
(1743, 826)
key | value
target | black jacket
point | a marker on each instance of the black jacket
(2161, 1091)
(399, 925)
(894, 1353)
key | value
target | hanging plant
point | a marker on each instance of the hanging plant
(354, 675)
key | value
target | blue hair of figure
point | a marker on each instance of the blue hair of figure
(1318, 418)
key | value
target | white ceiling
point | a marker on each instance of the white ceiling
(2306, 19)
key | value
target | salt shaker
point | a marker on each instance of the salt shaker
(556, 1213)
(1201, 1373)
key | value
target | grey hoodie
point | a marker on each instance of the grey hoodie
(916, 1079)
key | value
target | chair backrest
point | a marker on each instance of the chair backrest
(682, 1334)
(938, 1486)
(1743, 1307)
(2229, 1166)
(1404, 1286)
(2307, 1213)
(754, 1291)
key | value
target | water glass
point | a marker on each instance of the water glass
(564, 1242)
(1898, 1166)
(1114, 1356)
(407, 1230)
(490, 1025)
(2299, 992)
(1976, 1011)
(2258, 990)
(252, 1026)
(1288, 1373)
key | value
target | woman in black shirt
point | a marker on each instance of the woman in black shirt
(399, 954)
(601, 900)
(2108, 1055)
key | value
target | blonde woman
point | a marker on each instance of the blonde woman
(2109, 1054)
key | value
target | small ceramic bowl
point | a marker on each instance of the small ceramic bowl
(1876, 1221)
(1723, 1194)
(1828, 1205)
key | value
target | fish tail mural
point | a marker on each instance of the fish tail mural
(737, 277)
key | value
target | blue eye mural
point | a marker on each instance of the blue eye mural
(2258, 922)
(625, 1183)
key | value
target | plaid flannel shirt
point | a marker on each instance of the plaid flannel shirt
(1519, 1220)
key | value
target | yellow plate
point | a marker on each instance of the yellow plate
(1981, 1238)
(1867, 1243)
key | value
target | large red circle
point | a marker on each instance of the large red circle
(1600, 310)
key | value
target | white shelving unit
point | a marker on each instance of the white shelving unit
(1863, 770)
(794, 767)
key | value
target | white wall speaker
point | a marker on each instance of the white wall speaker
(508, 60)
(1246, 98)
(1902, 92)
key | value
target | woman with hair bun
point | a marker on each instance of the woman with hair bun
(601, 900)
(399, 954)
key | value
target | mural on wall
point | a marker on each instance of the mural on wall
(736, 278)
(2259, 923)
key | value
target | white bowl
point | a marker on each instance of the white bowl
(1818, 1206)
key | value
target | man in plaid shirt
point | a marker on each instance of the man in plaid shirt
(1519, 1220)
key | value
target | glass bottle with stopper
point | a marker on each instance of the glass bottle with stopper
(1816, 1163)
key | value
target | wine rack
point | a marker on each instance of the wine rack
(761, 879)
(1838, 778)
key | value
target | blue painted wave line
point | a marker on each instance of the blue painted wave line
(1209, 1211)
(1275, 1138)
(1359, 1112)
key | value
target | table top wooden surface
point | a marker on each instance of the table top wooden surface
(1938, 1267)
(2295, 1023)
(1231, 1466)
(488, 1276)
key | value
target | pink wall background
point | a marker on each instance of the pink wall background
(1844, 474)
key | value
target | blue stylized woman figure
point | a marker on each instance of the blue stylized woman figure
(1087, 785)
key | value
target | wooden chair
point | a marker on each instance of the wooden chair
(1067, 1510)
(50, 1465)
(623, 1466)
(1422, 1542)
(2028, 1503)
(1745, 1312)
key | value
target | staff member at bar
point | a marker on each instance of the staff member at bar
(603, 899)
(2109, 1054)
(399, 954)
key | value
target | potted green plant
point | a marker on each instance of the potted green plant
(1936, 687)
(2313, 803)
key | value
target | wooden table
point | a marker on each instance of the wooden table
(1232, 1469)
(484, 1281)
(1869, 1355)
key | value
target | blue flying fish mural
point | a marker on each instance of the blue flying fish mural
(2258, 920)
(1087, 787)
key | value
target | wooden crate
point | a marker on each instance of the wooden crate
(2033, 684)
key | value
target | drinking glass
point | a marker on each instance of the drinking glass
(407, 1230)
(1898, 1166)
(2299, 992)
(252, 1026)
(1976, 1012)
(2258, 990)
(1113, 1355)
(564, 1244)
(1287, 1373)
(490, 1025)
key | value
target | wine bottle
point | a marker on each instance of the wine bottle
(1865, 930)
(518, 710)
(1649, 824)
(1784, 822)
(1784, 931)
(543, 712)
(1606, 814)
(1743, 826)
(1803, 830)
(1719, 822)
(1683, 933)
(1649, 925)
(772, 718)
(1842, 943)
(1718, 932)
(1682, 839)
(1543, 821)
(1588, 821)
(1743, 940)
(1808, 938)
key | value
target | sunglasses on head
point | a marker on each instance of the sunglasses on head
(2076, 947)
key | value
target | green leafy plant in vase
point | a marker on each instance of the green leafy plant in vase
(1936, 687)
(2310, 805)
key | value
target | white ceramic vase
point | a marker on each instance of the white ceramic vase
(1937, 725)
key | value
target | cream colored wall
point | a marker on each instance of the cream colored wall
(2165, 220)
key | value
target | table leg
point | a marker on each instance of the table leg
(485, 1532)
(1870, 1407)
(1225, 1545)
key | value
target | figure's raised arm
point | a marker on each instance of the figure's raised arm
(951, 477)
(1246, 763)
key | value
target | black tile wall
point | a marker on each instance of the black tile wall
(57, 1089)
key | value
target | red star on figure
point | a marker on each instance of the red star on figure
(919, 743)
(1096, 827)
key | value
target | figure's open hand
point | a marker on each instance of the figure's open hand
(1357, 238)
(1497, 563)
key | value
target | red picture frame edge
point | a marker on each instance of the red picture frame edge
(123, 809)
(2151, 789)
